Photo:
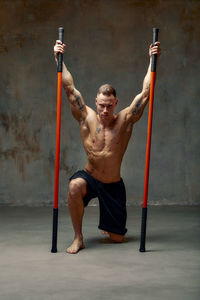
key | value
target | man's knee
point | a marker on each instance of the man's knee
(117, 238)
(77, 187)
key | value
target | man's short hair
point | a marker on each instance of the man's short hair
(107, 89)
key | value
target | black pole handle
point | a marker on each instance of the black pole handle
(154, 56)
(60, 55)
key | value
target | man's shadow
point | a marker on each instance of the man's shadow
(95, 241)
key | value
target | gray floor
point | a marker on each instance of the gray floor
(170, 269)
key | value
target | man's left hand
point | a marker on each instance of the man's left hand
(155, 49)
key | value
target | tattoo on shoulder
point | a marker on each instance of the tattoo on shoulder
(78, 101)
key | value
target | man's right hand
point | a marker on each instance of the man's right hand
(58, 48)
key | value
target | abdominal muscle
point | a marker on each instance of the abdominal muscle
(105, 167)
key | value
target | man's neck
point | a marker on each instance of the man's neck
(106, 122)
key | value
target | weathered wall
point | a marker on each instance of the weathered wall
(107, 42)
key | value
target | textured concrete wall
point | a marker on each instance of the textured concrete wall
(107, 42)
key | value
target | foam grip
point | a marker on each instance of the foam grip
(60, 55)
(154, 56)
(55, 230)
(143, 229)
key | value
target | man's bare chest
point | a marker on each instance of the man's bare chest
(104, 138)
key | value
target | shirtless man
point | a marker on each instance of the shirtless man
(105, 137)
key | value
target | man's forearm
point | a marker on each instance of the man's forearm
(147, 82)
(67, 79)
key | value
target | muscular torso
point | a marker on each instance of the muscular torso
(105, 145)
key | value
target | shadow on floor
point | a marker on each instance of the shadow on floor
(93, 242)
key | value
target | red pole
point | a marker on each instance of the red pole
(57, 161)
(148, 147)
(149, 131)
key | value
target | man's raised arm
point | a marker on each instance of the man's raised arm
(136, 108)
(76, 101)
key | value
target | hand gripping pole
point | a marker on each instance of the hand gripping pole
(148, 147)
(57, 161)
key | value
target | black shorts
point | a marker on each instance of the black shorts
(112, 202)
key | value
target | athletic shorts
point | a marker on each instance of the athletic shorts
(112, 202)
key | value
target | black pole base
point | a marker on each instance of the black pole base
(143, 230)
(142, 249)
(55, 230)
(54, 250)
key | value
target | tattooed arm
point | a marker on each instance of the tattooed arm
(77, 105)
(136, 108)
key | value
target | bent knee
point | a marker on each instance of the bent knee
(77, 187)
(117, 238)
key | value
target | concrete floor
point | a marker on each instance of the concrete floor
(170, 269)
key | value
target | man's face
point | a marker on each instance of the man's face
(106, 105)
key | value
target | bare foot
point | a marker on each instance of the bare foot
(104, 232)
(75, 246)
